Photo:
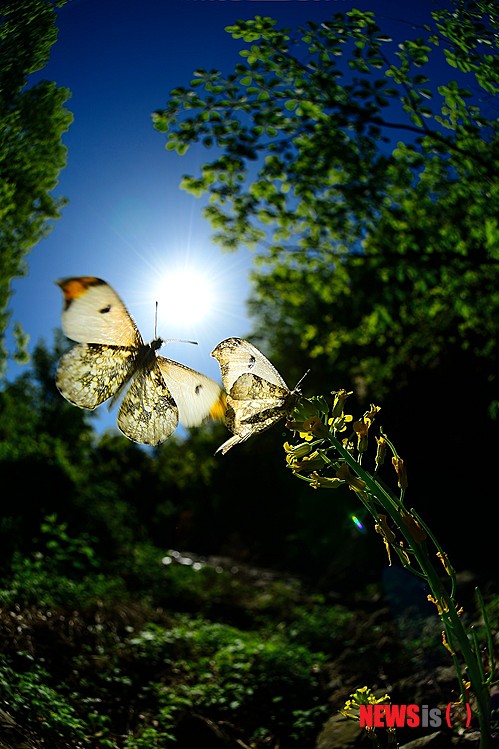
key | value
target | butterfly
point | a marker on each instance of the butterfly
(111, 359)
(257, 396)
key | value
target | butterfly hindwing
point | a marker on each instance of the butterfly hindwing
(91, 373)
(148, 413)
(250, 386)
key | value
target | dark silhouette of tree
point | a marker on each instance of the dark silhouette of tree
(32, 122)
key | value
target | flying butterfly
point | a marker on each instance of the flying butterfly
(257, 396)
(111, 359)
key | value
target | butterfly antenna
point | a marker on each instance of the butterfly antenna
(167, 340)
(178, 340)
(301, 379)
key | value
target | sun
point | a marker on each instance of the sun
(186, 297)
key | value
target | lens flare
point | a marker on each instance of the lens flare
(355, 520)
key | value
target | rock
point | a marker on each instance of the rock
(340, 733)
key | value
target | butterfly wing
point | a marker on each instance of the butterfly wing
(89, 374)
(254, 405)
(237, 356)
(94, 313)
(257, 395)
(197, 396)
(148, 413)
(245, 418)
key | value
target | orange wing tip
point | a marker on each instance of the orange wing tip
(72, 288)
(217, 411)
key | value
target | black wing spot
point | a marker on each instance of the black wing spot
(251, 362)
(198, 389)
(105, 310)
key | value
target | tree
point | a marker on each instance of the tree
(368, 180)
(32, 121)
(364, 171)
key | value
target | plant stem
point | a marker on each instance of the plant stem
(455, 632)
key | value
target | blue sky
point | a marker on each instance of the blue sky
(127, 220)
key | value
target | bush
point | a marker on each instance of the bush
(266, 683)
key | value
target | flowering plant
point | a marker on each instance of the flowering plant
(328, 454)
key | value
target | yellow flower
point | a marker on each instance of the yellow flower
(384, 529)
(418, 534)
(339, 423)
(445, 643)
(374, 410)
(445, 561)
(356, 484)
(324, 482)
(309, 428)
(380, 452)
(308, 463)
(361, 429)
(442, 606)
(386, 533)
(362, 696)
(401, 472)
(339, 400)
(297, 451)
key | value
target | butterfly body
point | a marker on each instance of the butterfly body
(257, 396)
(111, 359)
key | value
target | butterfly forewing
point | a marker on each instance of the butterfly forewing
(89, 374)
(237, 356)
(94, 313)
(196, 395)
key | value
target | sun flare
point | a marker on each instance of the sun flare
(186, 296)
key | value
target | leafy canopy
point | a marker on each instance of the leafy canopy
(32, 121)
(365, 172)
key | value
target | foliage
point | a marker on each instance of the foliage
(60, 571)
(32, 122)
(89, 669)
(241, 641)
(320, 625)
(365, 172)
(27, 689)
(363, 169)
(227, 673)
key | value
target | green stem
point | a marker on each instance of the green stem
(454, 629)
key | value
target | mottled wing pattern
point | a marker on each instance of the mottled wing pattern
(91, 373)
(237, 356)
(148, 413)
(253, 406)
(197, 396)
(257, 396)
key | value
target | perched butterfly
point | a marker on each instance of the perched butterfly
(257, 396)
(111, 358)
